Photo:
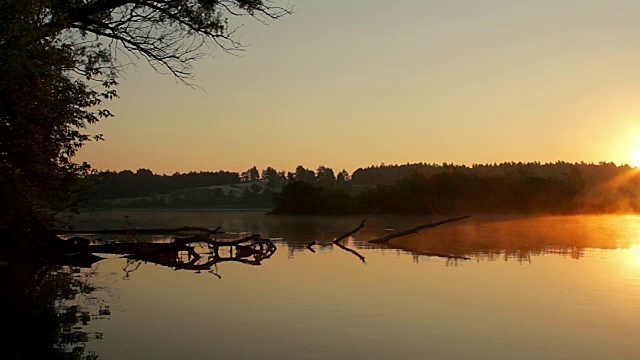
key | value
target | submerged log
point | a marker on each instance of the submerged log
(346, 235)
(173, 231)
(178, 244)
(139, 248)
(208, 240)
(446, 256)
(309, 246)
(253, 253)
(414, 230)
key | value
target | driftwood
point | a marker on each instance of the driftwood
(414, 230)
(211, 242)
(78, 251)
(443, 255)
(346, 235)
(249, 250)
(351, 251)
(178, 244)
(310, 246)
(254, 253)
(78, 259)
(173, 231)
(140, 248)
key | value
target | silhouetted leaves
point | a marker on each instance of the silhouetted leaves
(58, 65)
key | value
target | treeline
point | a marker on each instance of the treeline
(526, 188)
(605, 187)
(533, 187)
(235, 196)
(144, 183)
(443, 193)
(386, 174)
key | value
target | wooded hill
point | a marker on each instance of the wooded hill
(559, 187)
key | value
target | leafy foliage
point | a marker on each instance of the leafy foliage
(43, 112)
(59, 63)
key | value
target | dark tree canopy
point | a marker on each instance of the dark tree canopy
(252, 174)
(59, 61)
(325, 176)
(305, 175)
(170, 34)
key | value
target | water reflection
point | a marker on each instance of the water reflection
(44, 312)
(521, 239)
(327, 304)
(488, 238)
(252, 250)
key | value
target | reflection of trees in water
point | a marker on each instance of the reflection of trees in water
(521, 239)
(251, 250)
(521, 255)
(515, 238)
(43, 312)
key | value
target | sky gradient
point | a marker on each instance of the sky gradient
(354, 83)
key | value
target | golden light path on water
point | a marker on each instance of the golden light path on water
(535, 287)
(633, 257)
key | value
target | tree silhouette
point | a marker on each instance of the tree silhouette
(58, 65)
(272, 177)
(252, 174)
(305, 175)
(343, 177)
(325, 176)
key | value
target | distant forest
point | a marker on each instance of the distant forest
(526, 188)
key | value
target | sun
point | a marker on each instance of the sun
(635, 157)
(631, 258)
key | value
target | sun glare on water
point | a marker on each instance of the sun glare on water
(631, 259)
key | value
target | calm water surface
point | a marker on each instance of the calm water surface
(534, 288)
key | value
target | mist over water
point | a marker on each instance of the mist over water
(534, 287)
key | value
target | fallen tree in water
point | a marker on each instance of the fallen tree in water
(79, 250)
(251, 249)
(337, 243)
(414, 230)
(173, 231)
(387, 238)
(177, 244)
(346, 235)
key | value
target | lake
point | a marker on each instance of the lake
(556, 287)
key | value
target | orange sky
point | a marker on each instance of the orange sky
(355, 83)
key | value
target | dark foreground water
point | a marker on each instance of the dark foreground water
(534, 288)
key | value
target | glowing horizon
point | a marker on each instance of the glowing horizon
(425, 81)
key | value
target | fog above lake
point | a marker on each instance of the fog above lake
(534, 287)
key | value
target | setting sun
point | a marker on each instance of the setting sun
(635, 156)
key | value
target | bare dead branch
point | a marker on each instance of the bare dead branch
(351, 251)
(414, 230)
(337, 240)
(310, 245)
(169, 34)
